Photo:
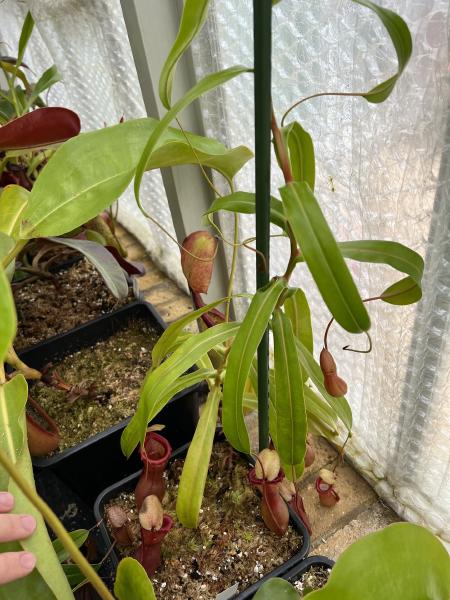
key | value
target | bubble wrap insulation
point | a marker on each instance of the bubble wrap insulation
(383, 172)
(88, 42)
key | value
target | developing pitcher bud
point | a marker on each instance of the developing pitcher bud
(287, 490)
(151, 514)
(334, 384)
(198, 245)
(119, 525)
(267, 464)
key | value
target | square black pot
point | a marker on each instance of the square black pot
(98, 461)
(129, 483)
(296, 572)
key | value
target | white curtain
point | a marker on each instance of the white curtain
(383, 172)
(88, 42)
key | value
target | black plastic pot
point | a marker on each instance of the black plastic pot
(97, 462)
(74, 513)
(129, 483)
(296, 573)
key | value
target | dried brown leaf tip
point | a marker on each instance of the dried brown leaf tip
(334, 384)
(197, 260)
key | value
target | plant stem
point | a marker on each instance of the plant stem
(20, 245)
(233, 260)
(57, 527)
(262, 27)
(318, 95)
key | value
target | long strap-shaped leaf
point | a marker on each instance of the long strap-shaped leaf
(244, 202)
(155, 386)
(289, 401)
(132, 581)
(192, 20)
(204, 85)
(339, 405)
(240, 360)
(195, 470)
(297, 309)
(8, 318)
(323, 257)
(171, 334)
(396, 255)
(301, 153)
(401, 38)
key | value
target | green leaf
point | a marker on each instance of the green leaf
(196, 464)
(289, 402)
(6, 246)
(132, 581)
(90, 171)
(406, 561)
(276, 589)
(84, 176)
(401, 38)
(301, 153)
(244, 202)
(105, 263)
(13, 397)
(240, 359)
(339, 405)
(79, 536)
(215, 155)
(8, 321)
(74, 575)
(323, 257)
(297, 309)
(192, 20)
(396, 255)
(405, 291)
(165, 343)
(153, 394)
(25, 34)
(204, 85)
(319, 410)
(13, 200)
(47, 579)
(46, 80)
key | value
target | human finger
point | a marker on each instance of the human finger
(16, 527)
(14, 565)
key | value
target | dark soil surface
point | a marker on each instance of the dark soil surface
(231, 543)
(46, 307)
(103, 383)
(313, 579)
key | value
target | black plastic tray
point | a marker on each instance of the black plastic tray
(129, 483)
(98, 461)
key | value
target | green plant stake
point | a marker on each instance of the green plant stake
(262, 31)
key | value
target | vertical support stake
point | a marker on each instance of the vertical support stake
(262, 29)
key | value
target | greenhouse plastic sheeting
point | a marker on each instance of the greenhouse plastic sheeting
(383, 173)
